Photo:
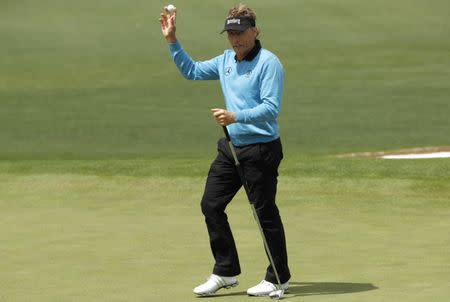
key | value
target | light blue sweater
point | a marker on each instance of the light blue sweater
(252, 90)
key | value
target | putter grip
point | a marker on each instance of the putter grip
(227, 135)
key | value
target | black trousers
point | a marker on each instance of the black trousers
(260, 164)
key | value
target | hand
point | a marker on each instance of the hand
(223, 117)
(168, 25)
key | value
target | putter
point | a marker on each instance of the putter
(276, 294)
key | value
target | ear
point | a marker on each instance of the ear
(256, 31)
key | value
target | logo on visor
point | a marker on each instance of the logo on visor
(233, 21)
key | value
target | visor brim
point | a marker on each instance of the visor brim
(236, 27)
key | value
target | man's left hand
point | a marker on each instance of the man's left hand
(223, 117)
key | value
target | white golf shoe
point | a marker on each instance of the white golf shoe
(264, 288)
(214, 283)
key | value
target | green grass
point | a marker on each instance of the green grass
(85, 80)
(81, 236)
(104, 149)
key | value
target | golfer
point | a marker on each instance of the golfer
(252, 83)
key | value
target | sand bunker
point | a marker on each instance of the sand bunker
(415, 153)
(413, 156)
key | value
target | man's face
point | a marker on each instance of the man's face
(242, 42)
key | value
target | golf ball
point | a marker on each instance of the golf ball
(171, 8)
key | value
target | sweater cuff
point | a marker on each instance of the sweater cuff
(173, 47)
(240, 117)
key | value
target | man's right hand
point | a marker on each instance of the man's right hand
(168, 28)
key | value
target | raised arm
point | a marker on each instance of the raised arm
(190, 69)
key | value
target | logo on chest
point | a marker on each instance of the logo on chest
(247, 74)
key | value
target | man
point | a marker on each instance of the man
(252, 83)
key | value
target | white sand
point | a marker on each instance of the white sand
(417, 156)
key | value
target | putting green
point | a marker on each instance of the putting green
(126, 237)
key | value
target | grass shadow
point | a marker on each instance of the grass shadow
(241, 293)
(312, 289)
(327, 288)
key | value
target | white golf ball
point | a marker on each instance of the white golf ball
(171, 8)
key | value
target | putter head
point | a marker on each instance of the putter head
(277, 294)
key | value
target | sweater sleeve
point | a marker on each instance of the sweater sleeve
(190, 69)
(271, 93)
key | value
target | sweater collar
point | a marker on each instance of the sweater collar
(252, 53)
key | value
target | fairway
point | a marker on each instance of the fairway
(104, 150)
(84, 80)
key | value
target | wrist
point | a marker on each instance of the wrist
(233, 117)
(171, 39)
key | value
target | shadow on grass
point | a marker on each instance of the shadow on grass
(243, 293)
(313, 289)
(327, 288)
